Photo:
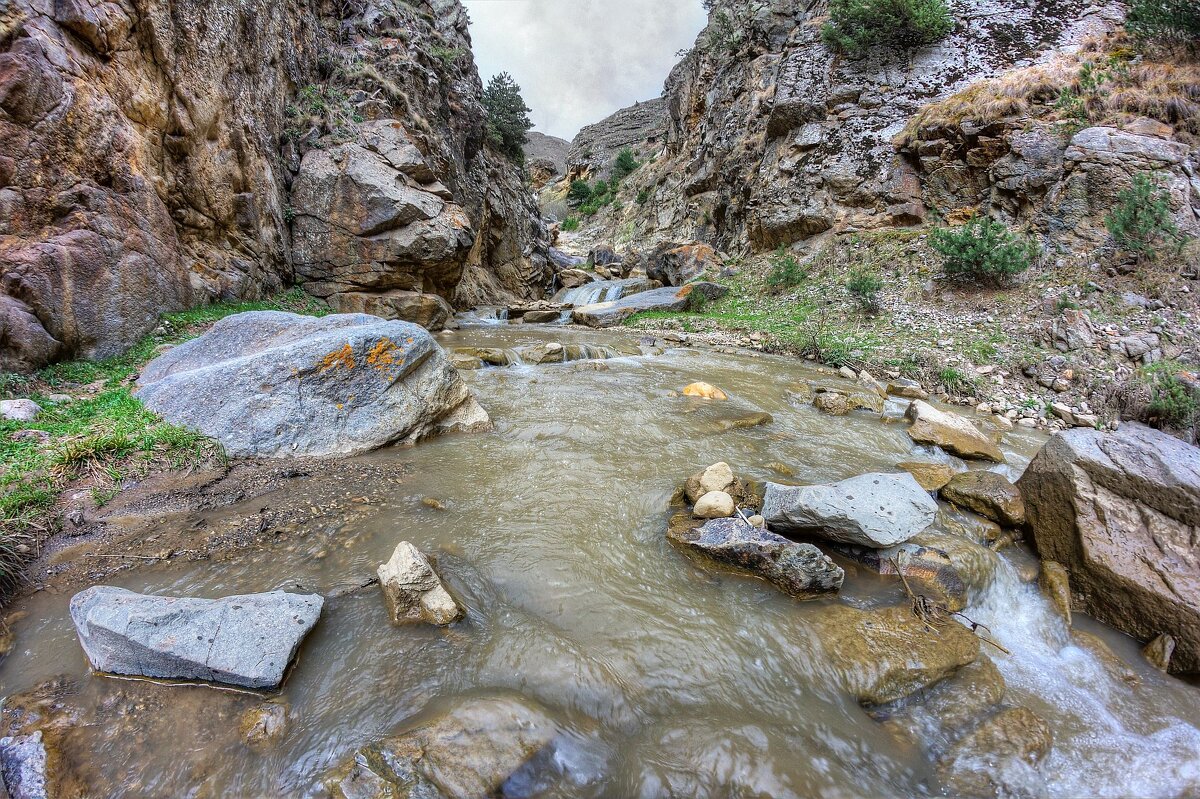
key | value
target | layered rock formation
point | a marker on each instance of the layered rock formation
(773, 138)
(642, 127)
(147, 150)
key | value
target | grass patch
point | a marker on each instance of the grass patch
(102, 432)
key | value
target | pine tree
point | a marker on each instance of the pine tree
(508, 116)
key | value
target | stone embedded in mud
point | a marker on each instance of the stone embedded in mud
(930, 476)
(246, 640)
(875, 510)
(714, 505)
(704, 391)
(611, 314)
(23, 766)
(801, 570)
(989, 494)
(413, 591)
(1120, 511)
(470, 752)
(951, 432)
(885, 655)
(272, 384)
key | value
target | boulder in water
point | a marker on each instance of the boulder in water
(989, 494)
(244, 640)
(953, 433)
(573, 278)
(24, 766)
(718, 477)
(875, 510)
(611, 314)
(413, 591)
(1120, 511)
(470, 752)
(885, 655)
(273, 384)
(801, 570)
(930, 476)
(704, 391)
(909, 389)
(714, 505)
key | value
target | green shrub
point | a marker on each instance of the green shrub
(1140, 222)
(857, 26)
(570, 223)
(1173, 401)
(983, 251)
(625, 165)
(1165, 20)
(588, 209)
(864, 286)
(579, 193)
(786, 270)
(643, 196)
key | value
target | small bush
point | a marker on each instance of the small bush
(857, 26)
(588, 209)
(983, 251)
(864, 286)
(1165, 20)
(1141, 222)
(579, 193)
(571, 223)
(625, 165)
(643, 196)
(786, 270)
(1173, 401)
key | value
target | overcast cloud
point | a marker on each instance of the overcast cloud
(577, 61)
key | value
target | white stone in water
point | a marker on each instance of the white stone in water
(718, 477)
(413, 590)
(874, 510)
(714, 505)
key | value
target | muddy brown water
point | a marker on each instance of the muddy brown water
(671, 677)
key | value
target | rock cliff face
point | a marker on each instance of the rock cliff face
(642, 127)
(773, 138)
(148, 151)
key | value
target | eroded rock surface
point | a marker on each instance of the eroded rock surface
(276, 384)
(953, 433)
(1121, 511)
(241, 640)
(990, 495)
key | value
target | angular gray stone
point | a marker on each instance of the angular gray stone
(875, 510)
(23, 766)
(801, 570)
(272, 384)
(611, 314)
(244, 640)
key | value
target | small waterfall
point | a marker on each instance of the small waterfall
(592, 293)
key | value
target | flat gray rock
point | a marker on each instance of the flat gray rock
(240, 640)
(273, 384)
(874, 510)
(801, 570)
(23, 766)
(611, 314)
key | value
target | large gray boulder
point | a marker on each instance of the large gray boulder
(801, 570)
(611, 314)
(273, 384)
(1121, 511)
(240, 640)
(875, 510)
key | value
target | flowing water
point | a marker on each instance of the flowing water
(596, 291)
(671, 677)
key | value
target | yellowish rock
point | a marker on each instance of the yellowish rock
(705, 391)
(714, 505)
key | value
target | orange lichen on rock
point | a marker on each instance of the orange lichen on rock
(343, 357)
(385, 355)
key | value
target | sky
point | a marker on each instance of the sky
(577, 61)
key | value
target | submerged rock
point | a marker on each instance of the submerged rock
(989, 494)
(246, 640)
(470, 752)
(924, 567)
(999, 757)
(275, 384)
(953, 433)
(885, 655)
(877, 510)
(704, 391)
(801, 570)
(413, 591)
(23, 766)
(1120, 511)
(1056, 585)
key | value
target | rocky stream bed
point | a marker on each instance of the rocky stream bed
(598, 656)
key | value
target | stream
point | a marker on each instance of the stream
(673, 677)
